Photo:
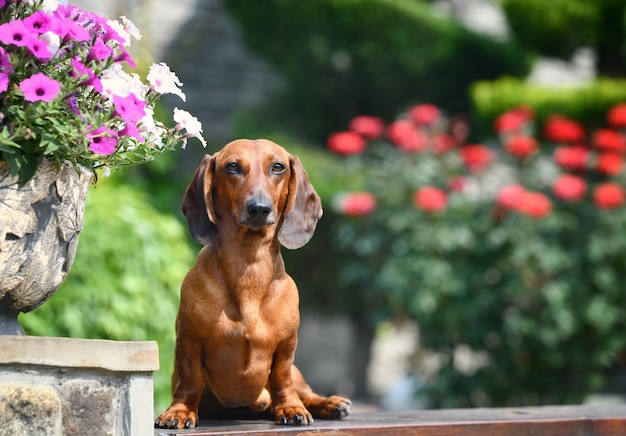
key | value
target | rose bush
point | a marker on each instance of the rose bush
(508, 254)
(65, 95)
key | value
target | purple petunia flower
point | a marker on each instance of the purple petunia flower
(102, 140)
(16, 33)
(131, 108)
(38, 48)
(39, 22)
(4, 82)
(40, 87)
(100, 51)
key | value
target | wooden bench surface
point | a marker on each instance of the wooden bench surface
(538, 421)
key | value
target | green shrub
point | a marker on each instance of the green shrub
(125, 281)
(559, 27)
(344, 58)
(555, 28)
(587, 104)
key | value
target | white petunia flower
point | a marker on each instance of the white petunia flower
(164, 80)
(125, 30)
(116, 81)
(191, 124)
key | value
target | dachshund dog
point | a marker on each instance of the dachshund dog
(237, 325)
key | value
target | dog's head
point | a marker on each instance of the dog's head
(256, 184)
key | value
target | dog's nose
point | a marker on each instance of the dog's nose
(258, 208)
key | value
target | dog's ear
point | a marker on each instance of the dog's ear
(303, 209)
(198, 203)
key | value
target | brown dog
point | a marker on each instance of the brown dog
(237, 324)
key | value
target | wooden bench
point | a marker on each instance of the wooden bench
(536, 421)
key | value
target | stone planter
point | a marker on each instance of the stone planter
(39, 227)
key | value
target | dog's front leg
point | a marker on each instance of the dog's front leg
(187, 386)
(288, 408)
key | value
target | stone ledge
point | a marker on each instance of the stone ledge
(80, 353)
(539, 421)
(58, 386)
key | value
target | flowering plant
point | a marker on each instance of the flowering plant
(65, 95)
(510, 250)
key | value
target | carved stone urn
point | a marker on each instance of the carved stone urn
(39, 227)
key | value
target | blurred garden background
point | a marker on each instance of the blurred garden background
(469, 155)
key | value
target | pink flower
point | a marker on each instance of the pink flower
(39, 23)
(430, 199)
(130, 109)
(40, 87)
(131, 130)
(346, 143)
(100, 51)
(609, 196)
(38, 48)
(4, 81)
(357, 204)
(15, 32)
(102, 140)
(570, 188)
(510, 196)
(425, 114)
(368, 126)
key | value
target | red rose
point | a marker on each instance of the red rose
(457, 184)
(572, 158)
(425, 114)
(443, 143)
(609, 163)
(476, 157)
(616, 116)
(609, 196)
(510, 196)
(404, 135)
(521, 146)
(570, 188)
(346, 143)
(609, 140)
(561, 129)
(369, 127)
(513, 120)
(430, 199)
(535, 204)
(357, 204)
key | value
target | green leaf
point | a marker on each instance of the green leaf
(15, 162)
(27, 170)
(49, 143)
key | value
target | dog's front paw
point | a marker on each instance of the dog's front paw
(334, 407)
(292, 415)
(177, 416)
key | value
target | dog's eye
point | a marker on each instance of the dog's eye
(278, 168)
(233, 168)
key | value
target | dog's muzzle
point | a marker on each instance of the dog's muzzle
(258, 212)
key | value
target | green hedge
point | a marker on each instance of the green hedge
(345, 58)
(555, 27)
(125, 281)
(587, 104)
